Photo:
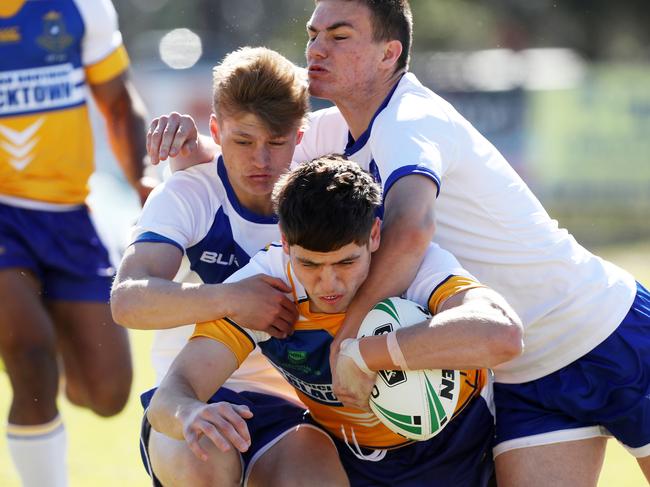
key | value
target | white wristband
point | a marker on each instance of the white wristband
(350, 348)
(395, 351)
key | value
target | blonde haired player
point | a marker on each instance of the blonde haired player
(219, 215)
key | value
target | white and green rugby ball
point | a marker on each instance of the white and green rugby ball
(416, 404)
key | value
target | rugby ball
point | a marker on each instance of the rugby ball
(416, 404)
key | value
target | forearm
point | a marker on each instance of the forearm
(403, 246)
(198, 371)
(155, 303)
(169, 406)
(453, 339)
(126, 126)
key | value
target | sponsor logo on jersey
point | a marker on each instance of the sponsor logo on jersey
(297, 356)
(322, 393)
(10, 34)
(40, 89)
(218, 258)
(55, 37)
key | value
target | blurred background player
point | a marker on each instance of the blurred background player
(55, 274)
(219, 214)
(327, 212)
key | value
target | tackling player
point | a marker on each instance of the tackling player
(220, 214)
(329, 230)
(444, 181)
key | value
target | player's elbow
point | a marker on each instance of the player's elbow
(506, 340)
(122, 305)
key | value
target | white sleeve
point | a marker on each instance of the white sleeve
(325, 134)
(101, 32)
(437, 266)
(181, 209)
(413, 139)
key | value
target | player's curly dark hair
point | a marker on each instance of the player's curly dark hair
(326, 204)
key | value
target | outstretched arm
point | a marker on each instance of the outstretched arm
(178, 408)
(145, 297)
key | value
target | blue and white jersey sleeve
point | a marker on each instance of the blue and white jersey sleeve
(413, 134)
(325, 134)
(181, 210)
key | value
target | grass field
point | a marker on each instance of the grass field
(104, 453)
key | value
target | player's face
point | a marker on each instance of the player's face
(342, 56)
(332, 279)
(254, 157)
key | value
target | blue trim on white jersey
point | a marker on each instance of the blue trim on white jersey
(217, 255)
(154, 237)
(354, 146)
(232, 197)
(407, 171)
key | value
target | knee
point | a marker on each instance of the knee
(104, 398)
(191, 471)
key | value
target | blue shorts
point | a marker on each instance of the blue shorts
(460, 455)
(605, 392)
(272, 418)
(61, 248)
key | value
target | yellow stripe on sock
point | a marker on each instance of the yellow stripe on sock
(30, 430)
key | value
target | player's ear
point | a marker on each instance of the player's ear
(285, 243)
(375, 235)
(392, 52)
(299, 135)
(214, 129)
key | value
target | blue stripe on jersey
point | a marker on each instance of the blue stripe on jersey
(303, 359)
(354, 146)
(157, 238)
(407, 171)
(232, 197)
(49, 33)
(217, 256)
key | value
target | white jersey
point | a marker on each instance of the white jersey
(568, 299)
(197, 211)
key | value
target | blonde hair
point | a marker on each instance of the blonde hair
(260, 81)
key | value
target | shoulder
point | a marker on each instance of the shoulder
(414, 104)
(326, 115)
(197, 187)
(271, 261)
(89, 9)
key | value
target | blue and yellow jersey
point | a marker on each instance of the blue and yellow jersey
(50, 50)
(303, 358)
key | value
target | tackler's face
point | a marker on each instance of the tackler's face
(342, 56)
(254, 156)
(333, 278)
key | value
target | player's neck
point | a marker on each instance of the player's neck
(359, 109)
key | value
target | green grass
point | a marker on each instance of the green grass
(104, 452)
